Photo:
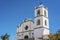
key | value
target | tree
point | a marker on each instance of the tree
(5, 37)
(58, 34)
(52, 37)
(55, 36)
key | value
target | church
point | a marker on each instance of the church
(37, 29)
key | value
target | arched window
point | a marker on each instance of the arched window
(38, 22)
(26, 27)
(38, 12)
(26, 37)
(45, 13)
(45, 22)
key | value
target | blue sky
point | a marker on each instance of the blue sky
(13, 12)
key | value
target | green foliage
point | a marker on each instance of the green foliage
(55, 36)
(5, 37)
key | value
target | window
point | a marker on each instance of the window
(45, 22)
(38, 22)
(26, 27)
(45, 13)
(38, 12)
(26, 37)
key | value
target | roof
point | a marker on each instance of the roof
(26, 20)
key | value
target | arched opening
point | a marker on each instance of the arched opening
(45, 22)
(38, 12)
(26, 37)
(26, 27)
(38, 22)
(45, 13)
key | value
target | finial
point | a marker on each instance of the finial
(40, 2)
(26, 18)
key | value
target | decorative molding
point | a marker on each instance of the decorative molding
(41, 7)
(25, 31)
(41, 27)
(24, 22)
(40, 16)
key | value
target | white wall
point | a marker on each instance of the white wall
(44, 30)
(21, 30)
(41, 22)
(38, 33)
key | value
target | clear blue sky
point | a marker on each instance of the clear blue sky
(13, 12)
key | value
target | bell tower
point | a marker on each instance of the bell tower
(41, 28)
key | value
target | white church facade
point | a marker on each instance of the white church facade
(37, 30)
